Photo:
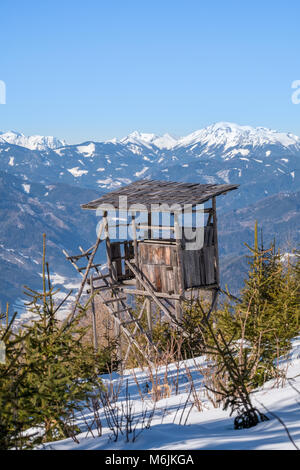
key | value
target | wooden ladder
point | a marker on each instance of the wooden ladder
(116, 305)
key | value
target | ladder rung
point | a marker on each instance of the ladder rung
(77, 257)
(82, 255)
(127, 322)
(114, 299)
(93, 266)
(98, 278)
(100, 289)
(121, 311)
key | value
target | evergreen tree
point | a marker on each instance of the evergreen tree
(49, 373)
(268, 314)
(13, 415)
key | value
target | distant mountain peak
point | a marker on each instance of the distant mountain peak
(166, 141)
(33, 142)
(226, 134)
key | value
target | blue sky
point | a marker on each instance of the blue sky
(97, 69)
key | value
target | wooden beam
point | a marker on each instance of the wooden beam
(78, 257)
(160, 230)
(134, 236)
(180, 289)
(135, 243)
(92, 266)
(94, 325)
(111, 269)
(155, 227)
(113, 299)
(149, 225)
(140, 292)
(119, 336)
(216, 247)
(152, 294)
(215, 228)
(149, 317)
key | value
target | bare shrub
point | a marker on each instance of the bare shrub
(121, 418)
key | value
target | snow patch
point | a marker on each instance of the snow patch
(87, 150)
(26, 188)
(142, 172)
(76, 172)
(224, 175)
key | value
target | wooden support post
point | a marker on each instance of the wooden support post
(119, 336)
(111, 268)
(134, 236)
(149, 317)
(135, 244)
(148, 301)
(94, 324)
(160, 235)
(149, 225)
(210, 214)
(114, 277)
(178, 310)
(215, 229)
(180, 287)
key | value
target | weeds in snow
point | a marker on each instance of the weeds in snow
(121, 418)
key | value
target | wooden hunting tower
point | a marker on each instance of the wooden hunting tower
(164, 264)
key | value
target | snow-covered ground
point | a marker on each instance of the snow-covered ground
(177, 425)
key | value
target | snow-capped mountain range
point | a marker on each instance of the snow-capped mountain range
(43, 181)
(33, 142)
(263, 161)
(222, 133)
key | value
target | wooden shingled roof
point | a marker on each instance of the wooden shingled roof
(149, 192)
